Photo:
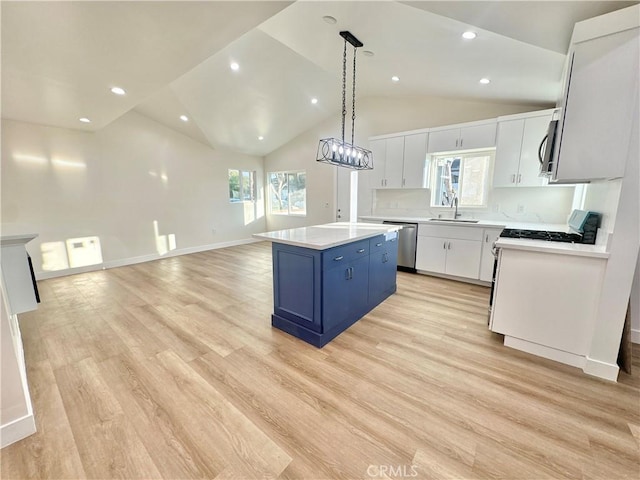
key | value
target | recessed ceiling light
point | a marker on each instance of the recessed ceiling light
(329, 19)
(234, 66)
(85, 120)
(184, 118)
(260, 137)
(395, 78)
(485, 81)
(118, 91)
(469, 35)
(368, 53)
(314, 100)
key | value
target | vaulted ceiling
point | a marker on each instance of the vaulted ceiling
(60, 60)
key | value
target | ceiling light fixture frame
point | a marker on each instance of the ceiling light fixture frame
(336, 151)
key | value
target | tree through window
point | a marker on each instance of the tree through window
(288, 193)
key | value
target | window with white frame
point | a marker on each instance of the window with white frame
(463, 176)
(242, 186)
(288, 193)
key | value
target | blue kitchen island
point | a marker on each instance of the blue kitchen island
(327, 277)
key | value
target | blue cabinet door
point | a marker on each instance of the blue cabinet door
(345, 293)
(382, 272)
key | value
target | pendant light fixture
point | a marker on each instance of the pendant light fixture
(337, 151)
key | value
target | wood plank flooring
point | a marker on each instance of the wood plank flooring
(170, 369)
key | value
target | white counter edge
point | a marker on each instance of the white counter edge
(21, 239)
(370, 231)
(559, 248)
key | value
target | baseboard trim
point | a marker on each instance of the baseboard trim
(17, 430)
(42, 275)
(635, 336)
(545, 352)
(474, 281)
(607, 371)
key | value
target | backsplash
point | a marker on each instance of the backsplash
(525, 204)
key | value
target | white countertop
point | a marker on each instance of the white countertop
(554, 227)
(19, 239)
(598, 251)
(323, 237)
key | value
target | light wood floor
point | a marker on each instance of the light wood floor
(170, 369)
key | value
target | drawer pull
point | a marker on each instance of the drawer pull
(337, 259)
(360, 250)
(378, 244)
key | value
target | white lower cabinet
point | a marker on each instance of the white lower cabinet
(546, 303)
(450, 250)
(490, 235)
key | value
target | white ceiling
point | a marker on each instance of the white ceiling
(59, 60)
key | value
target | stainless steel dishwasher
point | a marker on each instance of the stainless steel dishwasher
(407, 240)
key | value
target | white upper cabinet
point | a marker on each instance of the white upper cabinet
(518, 142)
(398, 162)
(600, 105)
(463, 137)
(375, 177)
(394, 161)
(415, 155)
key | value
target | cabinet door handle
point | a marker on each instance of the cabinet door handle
(385, 258)
(486, 239)
(403, 182)
(461, 140)
(382, 182)
(360, 250)
(519, 177)
(513, 178)
(444, 245)
(449, 246)
(378, 244)
(337, 259)
(350, 273)
(347, 274)
(456, 142)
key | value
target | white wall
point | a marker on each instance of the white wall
(375, 116)
(115, 183)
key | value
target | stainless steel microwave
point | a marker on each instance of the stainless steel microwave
(547, 149)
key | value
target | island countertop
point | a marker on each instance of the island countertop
(323, 237)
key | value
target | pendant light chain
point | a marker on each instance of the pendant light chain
(344, 87)
(353, 107)
(336, 151)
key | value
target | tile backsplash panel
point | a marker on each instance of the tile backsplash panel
(525, 204)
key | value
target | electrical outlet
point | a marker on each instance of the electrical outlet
(520, 208)
(496, 207)
(214, 231)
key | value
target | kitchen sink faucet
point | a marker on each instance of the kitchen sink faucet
(455, 204)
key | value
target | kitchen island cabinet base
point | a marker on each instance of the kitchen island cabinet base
(317, 294)
(314, 338)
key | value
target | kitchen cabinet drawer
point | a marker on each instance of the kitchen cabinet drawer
(450, 231)
(344, 254)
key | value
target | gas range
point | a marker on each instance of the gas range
(582, 221)
(542, 235)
